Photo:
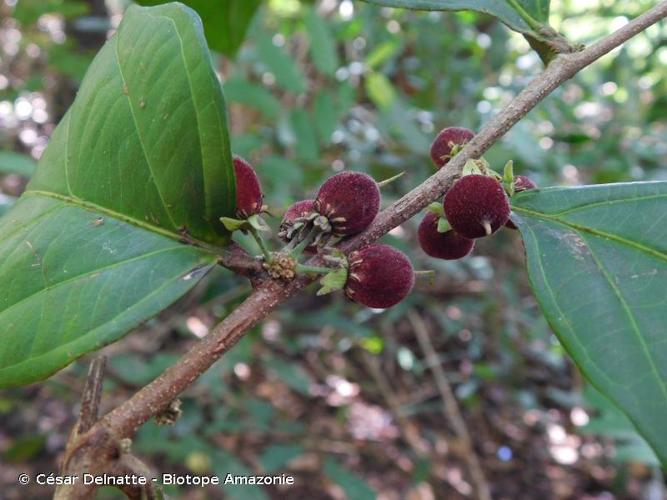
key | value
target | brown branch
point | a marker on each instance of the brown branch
(125, 419)
(451, 408)
(99, 453)
(236, 259)
(92, 393)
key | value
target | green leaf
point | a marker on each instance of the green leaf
(306, 146)
(520, 15)
(380, 90)
(597, 260)
(17, 163)
(93, 247)
(28, 12)
(443, 225)
(322, 43)
(326, 115)
(225, 21)
(333, 281)
(250, 94)
(354, 486)
(276, 456)
(292, 374)
(74, 281)
(287, 72)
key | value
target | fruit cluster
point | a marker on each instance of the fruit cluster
(346, 204)
(377, 275)
(476, 205)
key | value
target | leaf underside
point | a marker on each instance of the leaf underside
(502, 9)
(92, 249)
(597, 260)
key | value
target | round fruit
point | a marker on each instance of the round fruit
(249, 196)
(442, 146)
(379, 276)
(476, 206)
(521, 183)
(350, 201)
(300, 210)
(448, 245)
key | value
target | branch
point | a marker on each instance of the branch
(92, 393)
(234, 258)
(124, 420)
(451, 408)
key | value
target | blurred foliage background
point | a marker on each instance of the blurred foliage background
(344, 398)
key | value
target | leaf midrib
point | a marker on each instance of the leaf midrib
(92, 207)
(603, 234)
(604, 203)
(92, 272)
(139, 133)
(573, 333)
(631, 317)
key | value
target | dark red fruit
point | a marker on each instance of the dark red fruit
(249, 196)
(350, 201)
(445, 141)
(476, 206)
(300, 210)
(448, 245)
(521, 183)
(379, 276)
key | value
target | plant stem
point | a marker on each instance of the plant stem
(530, 20)
(125, 419)
(305, 243)
(303, 268)
(386, 182)
(260, 242)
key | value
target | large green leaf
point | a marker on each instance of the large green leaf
(520, 15)
(142, 156)
(225, 21)
(597, 259)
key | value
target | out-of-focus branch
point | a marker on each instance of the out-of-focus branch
(451, 408)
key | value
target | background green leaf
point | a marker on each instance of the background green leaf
(322, 43)
(92, 248)
(225, 21)
(597, 259)
(17, 163)
(353, 485)
(287, 73)
(504, 10)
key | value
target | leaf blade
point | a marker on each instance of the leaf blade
(140, 160)
(126, 273)
(597, 260)
(128, 144)
(500, 9)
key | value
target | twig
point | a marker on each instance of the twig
(99, 455)
(125, 419)
(236, 259)
(408, 430)
(451, 407)
(92, 393)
